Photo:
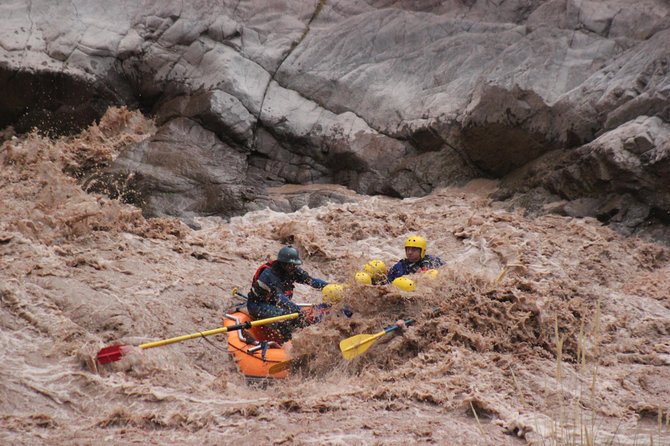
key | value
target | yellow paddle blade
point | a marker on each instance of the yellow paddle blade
(280, 366)
(357, 345)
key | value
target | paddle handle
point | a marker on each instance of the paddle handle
(202, 334)
(395, 326)
(236, 292)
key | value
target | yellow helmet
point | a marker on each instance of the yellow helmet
(363, 278)
(416, 241)
(404, 284)
(375, 268)
(332, 293)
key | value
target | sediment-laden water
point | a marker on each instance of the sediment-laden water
(550, 330)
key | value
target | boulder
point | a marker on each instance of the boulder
(615, 178)
(182, 170)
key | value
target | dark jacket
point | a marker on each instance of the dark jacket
(273, 282)
(404, 267)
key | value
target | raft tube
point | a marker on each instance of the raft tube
(247, 351)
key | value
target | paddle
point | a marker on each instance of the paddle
(280, 366)
(357, 345)
(116, 352)
(237, 293)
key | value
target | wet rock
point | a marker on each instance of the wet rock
(614, 178)
(183, 170)
(504, 130)
(397, 100)
(215, 110)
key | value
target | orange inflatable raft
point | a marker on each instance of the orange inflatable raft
(254, 352)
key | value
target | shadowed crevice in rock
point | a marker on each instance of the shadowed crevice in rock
(499, 149)
(504, 130)
(53, 102)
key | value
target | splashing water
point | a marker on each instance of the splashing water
(551, 329)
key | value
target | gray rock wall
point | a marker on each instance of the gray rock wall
(391, 97)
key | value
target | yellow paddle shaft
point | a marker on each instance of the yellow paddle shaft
(202, 334)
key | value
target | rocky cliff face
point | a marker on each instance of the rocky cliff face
(565, 101)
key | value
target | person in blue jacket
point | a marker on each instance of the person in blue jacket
(272, 291)
(415, 260)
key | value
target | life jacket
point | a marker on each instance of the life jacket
(426, 263)
(260, 270)
(288, 291)
(404, 267)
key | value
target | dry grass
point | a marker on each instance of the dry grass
(576, 424)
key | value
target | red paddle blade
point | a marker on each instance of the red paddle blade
(109, 354)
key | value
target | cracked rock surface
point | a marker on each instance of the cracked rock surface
(565, 101)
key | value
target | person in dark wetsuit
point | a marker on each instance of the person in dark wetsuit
(272, 291)
(415, 260)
